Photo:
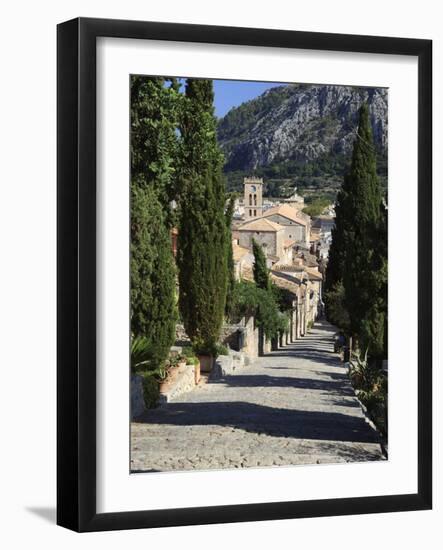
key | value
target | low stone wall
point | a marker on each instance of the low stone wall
(241, 337)
(230, 335)
(184, 380)
(250, 338)
(137, 399)
(226, 364)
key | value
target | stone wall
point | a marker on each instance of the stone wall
(268, 238)
(184, 381)
(293, 231)
(250, 338)
(137, 399)
(230, 335)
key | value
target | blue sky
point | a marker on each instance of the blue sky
(231, 93)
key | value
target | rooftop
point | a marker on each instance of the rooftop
(287, 212)
(260, 224)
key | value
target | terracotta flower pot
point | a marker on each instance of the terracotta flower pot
(206, 362)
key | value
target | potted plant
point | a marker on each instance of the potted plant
(205, 353)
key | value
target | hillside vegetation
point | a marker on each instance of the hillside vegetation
(300, 135)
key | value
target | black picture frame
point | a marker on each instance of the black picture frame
(76, 265)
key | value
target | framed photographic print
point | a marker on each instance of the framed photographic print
(244, 262)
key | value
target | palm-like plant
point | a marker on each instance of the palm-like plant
(141, 353)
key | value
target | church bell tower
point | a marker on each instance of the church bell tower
(253, 200)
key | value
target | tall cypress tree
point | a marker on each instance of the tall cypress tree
(365, 270)
(333, 289)
(153, 309)
(261, 272)
(230, 290)
(153, 159)
(202, 247)
(356, 275)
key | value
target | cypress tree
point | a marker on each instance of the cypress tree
(202, 246)
(364, 274)
(153, 309)
(230, 258)
(261, 272)
(153, 159)
(356, 275)
(333, 289)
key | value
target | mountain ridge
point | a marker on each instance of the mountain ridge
(301, 132)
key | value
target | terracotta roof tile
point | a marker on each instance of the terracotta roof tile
(287, 212)
(260, 224)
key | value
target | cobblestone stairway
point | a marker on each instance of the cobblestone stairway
(293, 406)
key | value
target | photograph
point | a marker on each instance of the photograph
(258, 274)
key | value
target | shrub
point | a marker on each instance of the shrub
(141, 353)
(153, 308)
(151, 389)
(371, 385)
(221, 349)
(252, 300)
(188, 352)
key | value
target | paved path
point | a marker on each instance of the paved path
(293, 406)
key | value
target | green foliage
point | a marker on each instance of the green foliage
(141, 353)
(229, 256)
(356, 275)
(261, 272)
(316, 207)
(365, 275)
(221, 349)
(151, 389)
(155, 109)
(335, 307)
(154, 146)
(262, 304)
(323, 173)
(371, 385)
(202, 241)
(242, 118)
(153, 308)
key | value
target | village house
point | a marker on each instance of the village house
(270, 236)
(297, 227)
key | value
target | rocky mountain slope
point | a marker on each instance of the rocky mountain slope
(301, 132)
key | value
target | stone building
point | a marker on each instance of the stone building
(297, 227)
(268, 234)
(253, 198)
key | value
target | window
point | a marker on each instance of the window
(255, 213)
(250, 200)
(255, 200)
